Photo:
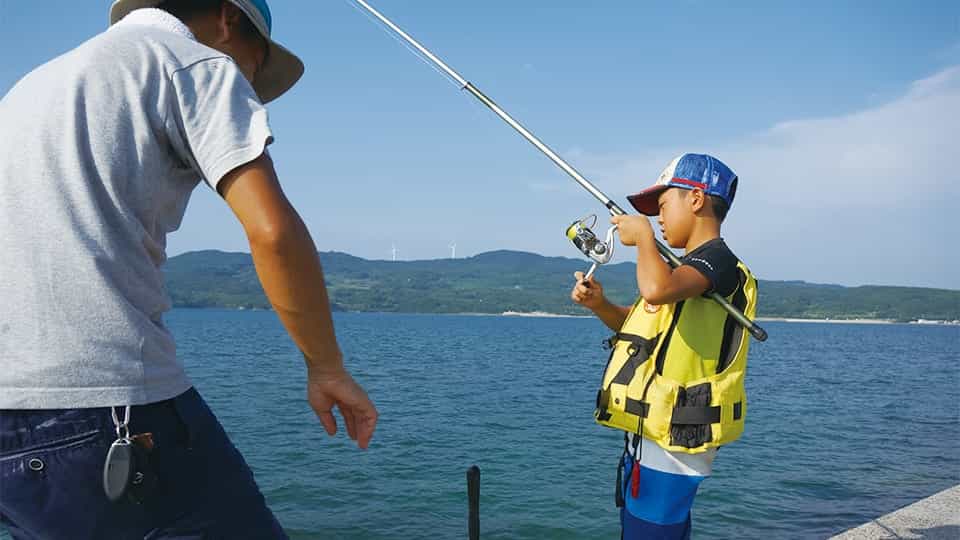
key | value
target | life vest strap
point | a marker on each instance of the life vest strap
(681, 415)
(637, 407)
(638, 344)
(618, 494)
(692, 416)
(695, 415)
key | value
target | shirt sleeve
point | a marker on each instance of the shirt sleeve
(719, 265)
(218, 117)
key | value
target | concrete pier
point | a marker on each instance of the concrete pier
(936, 517)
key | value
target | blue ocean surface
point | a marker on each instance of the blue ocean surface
(846, 422)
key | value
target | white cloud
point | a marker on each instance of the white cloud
(909, 144)
(840, 199)
(945, 81)
(883, 157)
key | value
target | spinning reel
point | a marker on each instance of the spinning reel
(599, 251)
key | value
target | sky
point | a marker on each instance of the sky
(840, 118)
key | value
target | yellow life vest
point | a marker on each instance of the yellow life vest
(676, 371)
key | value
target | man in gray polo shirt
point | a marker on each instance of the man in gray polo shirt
(99, 151)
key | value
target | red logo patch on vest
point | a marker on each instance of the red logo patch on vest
(650, 308)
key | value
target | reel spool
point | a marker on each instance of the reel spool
(599, 251)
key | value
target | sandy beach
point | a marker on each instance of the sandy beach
(542, 314)
(859, 321)
(833, 321)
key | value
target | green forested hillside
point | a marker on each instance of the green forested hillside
(501, 281)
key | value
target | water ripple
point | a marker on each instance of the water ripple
(846, 422)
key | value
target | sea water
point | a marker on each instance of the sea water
(846, 422)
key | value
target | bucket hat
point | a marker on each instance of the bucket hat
(282, 69)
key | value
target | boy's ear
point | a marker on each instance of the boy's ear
(697, 199)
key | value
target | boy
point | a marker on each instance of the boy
(677, 363)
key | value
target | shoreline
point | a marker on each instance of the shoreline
(925, 322)
(547, 314)
(831, 321)
(544, 314)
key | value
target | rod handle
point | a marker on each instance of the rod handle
(759, 333)
(473, 498)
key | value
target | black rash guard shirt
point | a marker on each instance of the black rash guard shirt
(717, 263)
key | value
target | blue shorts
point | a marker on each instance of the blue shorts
(661, 509)
(51, 465)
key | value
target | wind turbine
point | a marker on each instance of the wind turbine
(394, 250)
(453, 250)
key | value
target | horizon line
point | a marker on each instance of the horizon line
(441, 259)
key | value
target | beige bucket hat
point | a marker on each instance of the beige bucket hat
(282, 69)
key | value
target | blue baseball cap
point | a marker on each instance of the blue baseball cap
(277, 75)
(689, 171)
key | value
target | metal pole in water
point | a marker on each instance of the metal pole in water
(473, 498)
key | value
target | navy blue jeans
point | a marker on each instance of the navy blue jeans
(51, 464)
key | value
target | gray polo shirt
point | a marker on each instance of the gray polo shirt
(99, 152)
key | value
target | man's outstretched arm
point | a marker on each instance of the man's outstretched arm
(289, 269)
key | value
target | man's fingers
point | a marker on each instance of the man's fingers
(366, 428)
(328, 421)
(350, 421)
(366, 424)
(578, 276)
(359, 414)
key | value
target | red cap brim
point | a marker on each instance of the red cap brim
(646, 201)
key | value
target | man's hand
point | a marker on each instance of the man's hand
(289, 270)
(630, 228)
(589, 297)
(326, 388)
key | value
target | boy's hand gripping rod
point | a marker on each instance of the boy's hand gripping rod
(755, 330)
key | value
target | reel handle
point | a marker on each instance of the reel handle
(586, 278)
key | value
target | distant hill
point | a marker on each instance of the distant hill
(500, 281)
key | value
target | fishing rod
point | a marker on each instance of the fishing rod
(615, 210)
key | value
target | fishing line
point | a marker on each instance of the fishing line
(394, 36)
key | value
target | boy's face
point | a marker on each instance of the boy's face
(676, 216)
